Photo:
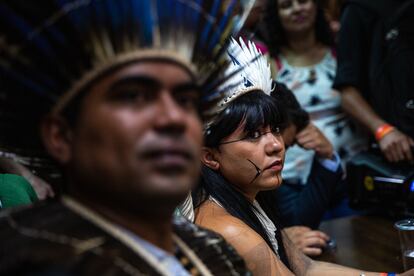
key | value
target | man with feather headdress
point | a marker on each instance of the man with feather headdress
(115, 86)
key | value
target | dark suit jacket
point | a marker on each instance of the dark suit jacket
(306, 204)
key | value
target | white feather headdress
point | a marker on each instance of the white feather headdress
(249, 71)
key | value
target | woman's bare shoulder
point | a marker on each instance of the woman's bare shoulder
(258, 256)
(216, 218)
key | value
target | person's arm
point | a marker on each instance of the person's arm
(259, 258)
(311, 138)
(352, 52)
(304, 266)
(43, 190)
(313, 200)
(316, 196)
(356, 106)
(395, 145)
(309, 241)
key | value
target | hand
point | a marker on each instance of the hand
(42, 188)
(310, 242)
(396, 146)
(311, 138)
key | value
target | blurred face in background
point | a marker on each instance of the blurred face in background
(289, 136)
(255, 14)
(297, 16)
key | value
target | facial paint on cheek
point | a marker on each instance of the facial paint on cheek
(258, 171)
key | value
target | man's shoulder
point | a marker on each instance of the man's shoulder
(40, 213)
(30, 237)
(218, 255)
(43, 216)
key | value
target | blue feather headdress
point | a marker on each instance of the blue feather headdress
(51, 49)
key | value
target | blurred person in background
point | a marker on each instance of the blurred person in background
(253, 30)
(301, 43)
(332, 10)
(242, 163)
(302, 207)
(19, 186)
(375, 72)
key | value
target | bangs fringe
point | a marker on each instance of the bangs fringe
(255, 110)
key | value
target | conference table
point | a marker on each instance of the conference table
(365, 242)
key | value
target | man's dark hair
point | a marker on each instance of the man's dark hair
(276, 35)
(294, 112)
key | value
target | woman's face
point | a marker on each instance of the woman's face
(253, 162)
(297, 16)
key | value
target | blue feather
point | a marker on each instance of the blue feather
(222, 25)
(28, 84)
(206, 31)
(23, 29)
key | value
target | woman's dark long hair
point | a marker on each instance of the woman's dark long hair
(255, 110)
(276, 35)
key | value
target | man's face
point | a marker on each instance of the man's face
(138, 137)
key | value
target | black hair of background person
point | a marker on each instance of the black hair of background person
(258, 110)
(294, 112)
(276, 36)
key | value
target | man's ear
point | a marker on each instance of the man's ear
(57, 138)
(208, 158)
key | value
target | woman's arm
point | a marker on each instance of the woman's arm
(259, 258)
(303, 265)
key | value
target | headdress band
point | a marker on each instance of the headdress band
(116, 62)
(248, 71)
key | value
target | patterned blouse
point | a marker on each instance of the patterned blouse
(312, 86)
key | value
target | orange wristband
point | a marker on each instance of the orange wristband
(382, 131)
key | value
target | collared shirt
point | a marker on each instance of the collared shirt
(164, 258)
(331, 164)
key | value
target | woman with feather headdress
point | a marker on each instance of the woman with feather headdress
(242, 163)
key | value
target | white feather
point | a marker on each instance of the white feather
(254, 71)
